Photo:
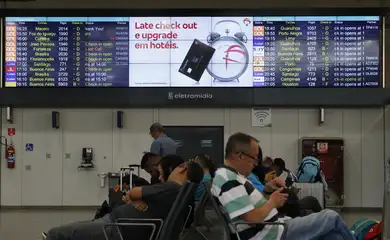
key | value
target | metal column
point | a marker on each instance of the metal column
(386, 203)
(1, 147)
(2, 6)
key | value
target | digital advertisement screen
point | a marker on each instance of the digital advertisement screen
(301, 51)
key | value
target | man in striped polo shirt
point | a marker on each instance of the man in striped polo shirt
(243, 202)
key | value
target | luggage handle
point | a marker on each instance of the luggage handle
(126, 168)
(136, 166)
(121, 177)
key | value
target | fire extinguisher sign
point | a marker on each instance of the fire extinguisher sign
(11, 132)
(322, 147)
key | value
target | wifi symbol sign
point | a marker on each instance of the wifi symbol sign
(261, 117)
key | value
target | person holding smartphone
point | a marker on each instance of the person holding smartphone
(294, 207)
(279, 166)
(242, 201)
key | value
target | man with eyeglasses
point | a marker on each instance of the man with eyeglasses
(243, 201)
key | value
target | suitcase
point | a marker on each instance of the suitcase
(116, 178)
(115, 189)
(115, 196)
(311, 189)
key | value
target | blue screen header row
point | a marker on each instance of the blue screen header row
(318, 18)
(67, 19)
(126, 19)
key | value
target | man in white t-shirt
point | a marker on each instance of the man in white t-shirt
(243, 202)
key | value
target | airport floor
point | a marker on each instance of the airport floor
(28, 224)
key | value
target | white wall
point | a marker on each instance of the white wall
(54, 179)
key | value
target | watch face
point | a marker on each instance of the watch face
(230, 59)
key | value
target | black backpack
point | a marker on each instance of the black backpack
(103, 210)
(291, 208)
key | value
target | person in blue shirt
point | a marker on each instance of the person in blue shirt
(256, 182)
(162, 144)
(263, 169)
(208, 169)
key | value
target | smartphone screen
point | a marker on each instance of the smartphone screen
(286, 179)
(283, 176)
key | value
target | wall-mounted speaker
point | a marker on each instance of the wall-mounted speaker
(322, 115)
(119, 119)
(10, 114)
(55, 119)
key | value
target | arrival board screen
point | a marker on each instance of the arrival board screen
(331, 51)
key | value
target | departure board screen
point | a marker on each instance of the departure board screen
(300, 51)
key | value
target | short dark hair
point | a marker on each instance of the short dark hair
(259, 170)
(168, 163)
(268, 160)
(279, 162)
(194, 172)
(156, 127)
(238, 142)
(145, 158)
(206, 162)
(260, 155)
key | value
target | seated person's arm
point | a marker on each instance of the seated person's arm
(135, 194)
(235, 200)
(141, 193)
(274, 184)
(258, 214)
(155, 147)
(276, 200)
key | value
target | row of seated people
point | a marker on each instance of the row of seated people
(145, 202)
(264, 172)
(237, 186)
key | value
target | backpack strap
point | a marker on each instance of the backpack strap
(300, 170)
(312, 160)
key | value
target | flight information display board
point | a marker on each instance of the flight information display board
(301, 51)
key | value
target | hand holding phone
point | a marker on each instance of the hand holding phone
(278, 198)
